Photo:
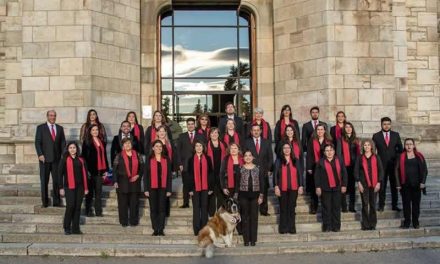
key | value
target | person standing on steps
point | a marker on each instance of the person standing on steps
(389, 146)
(49, 144)
(309, 127)
(368, 173)
(73, 185)
(410, 173)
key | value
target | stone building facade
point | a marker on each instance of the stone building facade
(369, 58)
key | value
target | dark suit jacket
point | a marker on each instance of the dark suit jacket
(321, 178)
(388, 154)
(44, 145)
(90, 155)
(190, 180)
(147, 176)
(142, 139)
(185, 149)
(307, 131)
(359, 173)
(264, 160)
(117, 147)
(278, 171)
(120, 175)
(238, 125)
(333, 134)
(277, 131)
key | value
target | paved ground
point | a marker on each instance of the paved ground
(418, 256)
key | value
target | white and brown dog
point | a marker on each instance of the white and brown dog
(220, 228)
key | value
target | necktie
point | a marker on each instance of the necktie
(387, 138)
(191, 137)
(257, 146)
(52, 132)
(315, 123)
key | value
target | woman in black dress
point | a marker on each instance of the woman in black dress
(137, 130)
(92, 119)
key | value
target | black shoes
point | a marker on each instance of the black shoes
(155, 233)
(246, 244)
(265, 214)
(90, 214)
(380, 209)
(252, 244)
(77, 232)
(99, 215)
(161, 233)
(397, 209)
(312, 211)
(184, 206)
(67, 232)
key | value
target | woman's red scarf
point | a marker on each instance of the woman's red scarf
(236, 138)
(338, 131)
(293, 177)
(101, 155)
(137, 132)
(153, 133)
(200, 178)
(211, 153)
(264, 124)
(164, 174)
(230, 171)
(169, 150)
(296, 150)
(330, 175)
(317, 149)
(347, 153)
(373, 182)
(402, 164)
(134, 164)
(71, 173)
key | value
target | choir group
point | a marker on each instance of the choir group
(233, 160)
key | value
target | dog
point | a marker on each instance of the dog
(220, 228)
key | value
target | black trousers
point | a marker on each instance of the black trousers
(331, 211)
(95, 190)
(264, 208)
(249, 218)
(287, 211)
(200, 210)
(185, 190)
(369, 216)
(158, 199)
(46, 169)
(351, 191)
(411, 197)
(310, 188)
(215, 201)
(72, 215)
(388, 174)
(128, 202)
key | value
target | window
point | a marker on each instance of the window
(205, 62)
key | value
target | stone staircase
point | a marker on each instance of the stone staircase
(28, 229)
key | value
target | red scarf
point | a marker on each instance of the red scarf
(283, 126)
(265, 130)
(71, 173)
(330, 175)
(101, 156)
(346, 152)
(154, 179)
(134, 164)
(137, 132)
(204, 132)
(201, 181)
(153, 134)
(236, 138)
(373, 170)
(317, 150)
(211, 154)
(230, 172)
(402, 165)
(338, 131)
(169, 150)
(293, 177)
(295, 147)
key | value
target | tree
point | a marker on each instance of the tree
(166, 106)
(198, 109)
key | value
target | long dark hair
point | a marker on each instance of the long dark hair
(345, 117)
(353, 133)
(135, 117)
(203, 145)
(157, 141)
(164, 121)
(89, 137)
(295, 136)
(327, 136)
(66, 149)
(284, 108)
(292, 155)
(200, 117)
(88, 122)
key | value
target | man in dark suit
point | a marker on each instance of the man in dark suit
(309, 127)
(389, 146)
(124, 132)
(230, 114)
(263, 157)
(49, 145)
(185, 151)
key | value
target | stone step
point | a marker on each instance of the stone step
(147, 250)
(192, 240)
(56, 227)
